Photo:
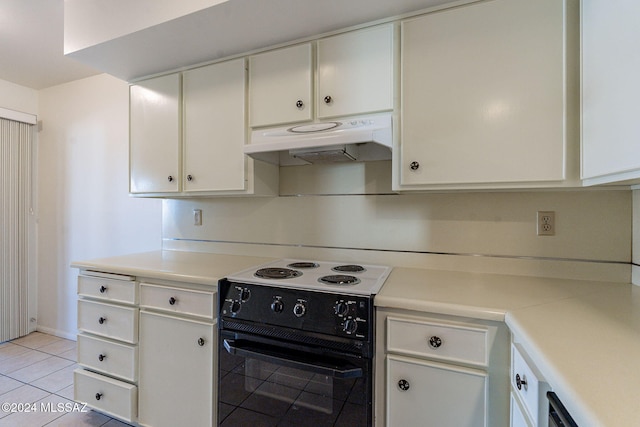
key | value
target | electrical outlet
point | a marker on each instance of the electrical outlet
(197, 217)
(546, 223)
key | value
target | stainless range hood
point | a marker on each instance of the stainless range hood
(352, 139)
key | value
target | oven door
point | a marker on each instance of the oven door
(262, 382)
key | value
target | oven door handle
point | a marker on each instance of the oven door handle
(283, 359)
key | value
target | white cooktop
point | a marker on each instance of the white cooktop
(370, 280)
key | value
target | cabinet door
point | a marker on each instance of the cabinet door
(154, 138)
(421, 393)
(214, 127)
(355, 72)
(177, 377)
(280, 83)
(483, 94)
(610, 91)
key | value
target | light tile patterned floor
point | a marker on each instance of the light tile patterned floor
(38, 370)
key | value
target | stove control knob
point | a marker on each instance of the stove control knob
(277, 306)
(235, 307)
(342, 308)
(350, 326)
(299, 309)
(245, 294)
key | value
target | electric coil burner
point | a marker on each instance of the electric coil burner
(339, 279)
(297, 344)
(277, 273)
(350, 268)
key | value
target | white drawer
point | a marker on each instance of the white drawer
(176, 300)
(517, 415)
(107, 395)
(107, 320)
(113, 358)
(532, 389)
(124, 291)
(438, 340)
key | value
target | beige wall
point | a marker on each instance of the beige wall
(18, 98)
(84, 210)
(591, 225)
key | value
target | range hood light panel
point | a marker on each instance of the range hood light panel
(344, 153)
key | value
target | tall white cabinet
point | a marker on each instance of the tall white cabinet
(489, 97)
(610, 90)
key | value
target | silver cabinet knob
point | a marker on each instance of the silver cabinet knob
(98, 396)
(103, 289)
(172, 301)
(299, 104)
(414, 166)
(521, 382)
(170, 178)
(201, 342)
(404, 385)
(101, 357)
(435, 342)
(328, 99)
(189, 178)
(102, 320)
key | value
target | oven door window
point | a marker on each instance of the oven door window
(264, 387)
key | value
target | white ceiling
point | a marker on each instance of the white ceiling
(32, 36)
(31, 45)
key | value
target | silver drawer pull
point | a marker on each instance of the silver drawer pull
(521, 382)
(201, 342)
(404, 385)
(435, 342)
(172, 301)
(98, 396)
(101, 357)
(102, 320)
(103, 289)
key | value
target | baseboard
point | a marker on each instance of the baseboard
(57, 333)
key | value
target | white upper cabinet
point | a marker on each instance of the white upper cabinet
(188, 134)
(355, 75)
(154, 139)
(355, 72)
(214, 127)
(489, 97)
(610, 91)
(281, 83)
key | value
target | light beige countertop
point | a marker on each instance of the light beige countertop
(477, 295)
(191, 267)
(584, 336)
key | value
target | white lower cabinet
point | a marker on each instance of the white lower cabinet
(147, 351)
(107, 344)
(177, 371)
(426, 393)
(445, 371)
(529, 405)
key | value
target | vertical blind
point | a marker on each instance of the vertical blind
(16, 206)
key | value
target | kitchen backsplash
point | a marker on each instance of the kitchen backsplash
(478, 231)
